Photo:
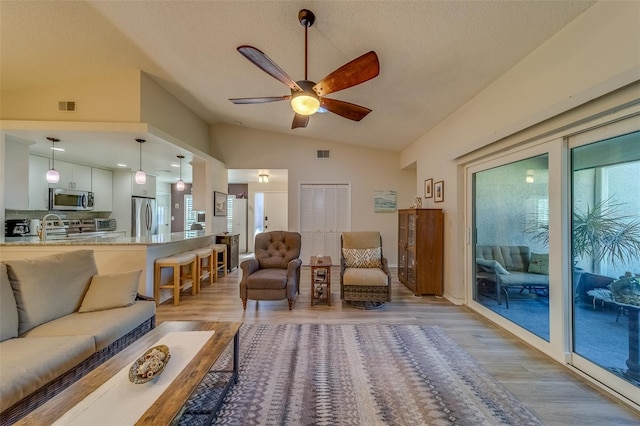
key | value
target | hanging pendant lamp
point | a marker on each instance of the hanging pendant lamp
(52, 174)
(141, 176)
(180, 183)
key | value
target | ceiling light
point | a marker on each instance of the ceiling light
(180, 183)
(121, 165)
(263, 178)
(53, 148)
(305, 102)
(529, 178)
(52, 174)
(141, 176)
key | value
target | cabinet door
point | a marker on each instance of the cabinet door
(66, 175)
(81, 177)
(148, 189)
(38, 186)
(16, 175)
(102, 188)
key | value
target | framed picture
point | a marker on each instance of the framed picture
(438, 192)
(428, 188)
(219, 204)
(384, 201)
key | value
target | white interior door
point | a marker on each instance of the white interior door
(275, 211)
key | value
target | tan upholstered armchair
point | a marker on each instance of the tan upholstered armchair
(365, 281)
(274, 274)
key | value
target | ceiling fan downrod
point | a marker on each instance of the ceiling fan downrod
(306, 18)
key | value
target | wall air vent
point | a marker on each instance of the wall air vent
(323, 153)
(67, 106)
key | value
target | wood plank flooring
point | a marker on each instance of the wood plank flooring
(556, 394)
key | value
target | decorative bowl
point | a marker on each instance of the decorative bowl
(150, 365)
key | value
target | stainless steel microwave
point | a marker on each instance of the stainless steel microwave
(70, 199)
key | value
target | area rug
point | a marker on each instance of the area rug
(318, 374)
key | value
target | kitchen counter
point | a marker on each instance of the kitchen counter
(114, 253)
(107, 238)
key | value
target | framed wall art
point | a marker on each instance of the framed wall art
(384, 201)
(428, 188)
(438, 192)
(219, 203)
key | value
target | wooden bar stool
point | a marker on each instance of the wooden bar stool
(184, 267)
(204, 265)
(220, 248)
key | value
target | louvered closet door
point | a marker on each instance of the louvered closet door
(325, 214)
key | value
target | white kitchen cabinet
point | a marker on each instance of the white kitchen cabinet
(38, 186)
(73, 176)
(147, 189)
(102, 188)
(16, 175)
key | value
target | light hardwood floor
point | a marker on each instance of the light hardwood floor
(556, 394)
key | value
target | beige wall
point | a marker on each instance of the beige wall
(162, 110)
(595, 54)
(105, 98)
(365, 169)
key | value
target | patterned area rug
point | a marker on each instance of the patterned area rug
(305, 374)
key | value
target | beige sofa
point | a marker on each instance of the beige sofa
(512, 266)
(59, 319)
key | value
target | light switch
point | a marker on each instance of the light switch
(172, 218)
(177, 206)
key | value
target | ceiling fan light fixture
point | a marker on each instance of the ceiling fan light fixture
(305, 102)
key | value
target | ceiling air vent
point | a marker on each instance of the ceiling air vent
(323, 153)
(67, 106)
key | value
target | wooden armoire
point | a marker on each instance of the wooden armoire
(420, 250)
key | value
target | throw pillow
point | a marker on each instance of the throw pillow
(491, 266)
(539, 264)
(111, 291)
(363, 258)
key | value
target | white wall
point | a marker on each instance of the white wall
(366, 169)
(595, 54)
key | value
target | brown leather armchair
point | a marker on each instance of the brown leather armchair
(274, 274)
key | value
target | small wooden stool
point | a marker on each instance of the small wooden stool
(181, 278)
(220, 248)
(204, 265)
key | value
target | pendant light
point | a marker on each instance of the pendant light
(52, 174)
(141, 176)
(180, 183)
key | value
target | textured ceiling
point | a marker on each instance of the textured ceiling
(434, 55)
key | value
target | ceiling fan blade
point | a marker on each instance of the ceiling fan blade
(263, 62)
(358, 71)
(260, 100)
(299, 120)
(345, 109)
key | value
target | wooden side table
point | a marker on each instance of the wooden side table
(320, 279)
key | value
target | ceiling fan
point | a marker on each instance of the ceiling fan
(307, 96)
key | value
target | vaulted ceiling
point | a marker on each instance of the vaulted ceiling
(434, 55)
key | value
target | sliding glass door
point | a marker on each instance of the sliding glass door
(605, 236)
(511, 222)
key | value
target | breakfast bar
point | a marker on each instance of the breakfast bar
(115, 253)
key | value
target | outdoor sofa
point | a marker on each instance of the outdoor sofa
(512, 266)
(59, 320)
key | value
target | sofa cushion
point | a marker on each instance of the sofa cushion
(28, 364)
(266, 279)
(491, 266)
(539, 264)
(363, 258)
(361, 239)
(111, 291)
(8, 307)
(105, 326)
(365, 276)
(516, 278)
(513, 258)
(276, 249)
(50, 287)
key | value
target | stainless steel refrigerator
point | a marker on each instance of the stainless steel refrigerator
(143, 217)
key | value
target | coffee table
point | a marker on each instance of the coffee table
(169, 405)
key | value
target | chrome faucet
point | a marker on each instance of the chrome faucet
(42, 233)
